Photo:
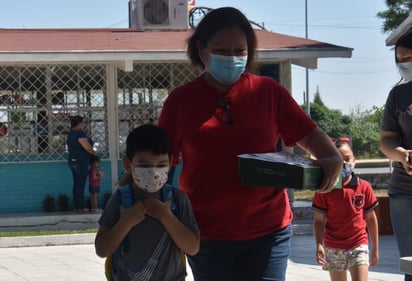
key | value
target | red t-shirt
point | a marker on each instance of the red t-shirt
(262, 111)
(345, 226)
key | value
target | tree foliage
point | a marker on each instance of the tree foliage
(332, 121)
(398, 11)
(365, 132)
(360, 126)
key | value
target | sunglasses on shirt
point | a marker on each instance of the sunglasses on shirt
(225, 115)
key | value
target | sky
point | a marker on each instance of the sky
(347, 84)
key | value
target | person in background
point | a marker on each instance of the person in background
(3, 129)
(343, 219)
(95, 175)
(396, 144)
(80, 149)
(148, 236)
(226, 111)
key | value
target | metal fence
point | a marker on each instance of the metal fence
(36, 102)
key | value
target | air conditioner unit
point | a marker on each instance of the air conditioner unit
(160, 14)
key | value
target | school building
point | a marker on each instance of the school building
(117, 78)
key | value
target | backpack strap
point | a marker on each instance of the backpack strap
(126, 195)
(127, 198)
(167, 194)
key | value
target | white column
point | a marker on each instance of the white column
(112, 121)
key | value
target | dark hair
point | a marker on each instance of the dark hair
(147, 138)
(75, 120)
(404, 41)
(215, 21)
(94, 159)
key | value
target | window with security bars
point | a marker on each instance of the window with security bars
(36, 102)
(142, 92)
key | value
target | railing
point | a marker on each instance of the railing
(375, 163)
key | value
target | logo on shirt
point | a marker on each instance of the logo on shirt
(359, 201)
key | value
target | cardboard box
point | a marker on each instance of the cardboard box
(280, 170)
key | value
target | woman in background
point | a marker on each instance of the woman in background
(80, 149)
(396, 144)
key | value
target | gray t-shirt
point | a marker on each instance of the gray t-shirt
(397, 117)
(141, 241)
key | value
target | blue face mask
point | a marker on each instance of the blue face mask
(347, 169)
(405, 69)
(227, 69)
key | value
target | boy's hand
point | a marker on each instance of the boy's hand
(133, 215)
(156, 208)
(320, 255)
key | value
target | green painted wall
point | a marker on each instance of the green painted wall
(23, 186)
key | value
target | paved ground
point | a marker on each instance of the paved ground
(79, 262)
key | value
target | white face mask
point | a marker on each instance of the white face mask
(405, 69)
(150, 179)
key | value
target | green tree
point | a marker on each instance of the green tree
(398, 10)
(365, 130)
(361, 126)
(332, 121)
(317, 99)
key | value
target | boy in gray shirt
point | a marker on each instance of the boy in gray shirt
(148, 239)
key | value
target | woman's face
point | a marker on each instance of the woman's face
(230, 41)
(403, 54)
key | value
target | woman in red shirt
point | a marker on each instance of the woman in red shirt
(225, 112)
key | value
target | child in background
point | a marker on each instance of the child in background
(95, 175)
(341, 219)
(146, 241)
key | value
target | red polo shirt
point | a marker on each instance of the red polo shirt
(262, 111)
(345, 226)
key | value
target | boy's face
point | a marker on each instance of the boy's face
(148, 159)
(149, 171)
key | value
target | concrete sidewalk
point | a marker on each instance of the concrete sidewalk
(79, 261)
(72, 257)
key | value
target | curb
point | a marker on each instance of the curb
(303, 227)
(47, 240)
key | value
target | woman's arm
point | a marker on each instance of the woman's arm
(84, 142)
(327, 157)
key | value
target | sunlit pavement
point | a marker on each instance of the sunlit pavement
(79, 262)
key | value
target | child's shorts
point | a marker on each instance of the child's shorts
(94, 189)
(341, 260)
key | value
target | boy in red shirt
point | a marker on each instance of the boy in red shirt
(341, 219)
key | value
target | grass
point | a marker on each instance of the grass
(302, 195)
(44, 232)
(307, 194)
